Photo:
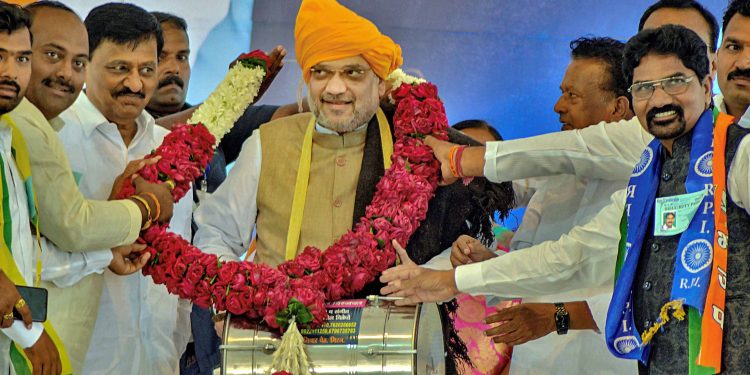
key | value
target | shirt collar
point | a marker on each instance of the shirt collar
(323, 130)
(90, 118)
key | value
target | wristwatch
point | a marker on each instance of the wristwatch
(562, 319)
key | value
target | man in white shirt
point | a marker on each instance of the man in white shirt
(18, 248)
(139, 327)
(584, 256)
(593, 90)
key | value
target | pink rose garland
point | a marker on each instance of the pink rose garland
(300, 287)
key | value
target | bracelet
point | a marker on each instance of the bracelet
(156, 203)
(452, 160)
(457, 160)
(148, 221)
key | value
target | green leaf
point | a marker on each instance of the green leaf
(295, 309)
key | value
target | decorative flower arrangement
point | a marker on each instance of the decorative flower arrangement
(297, 289)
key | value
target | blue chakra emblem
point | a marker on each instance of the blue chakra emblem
(646, 157)
(696, 256)
(626, 344)
(704, 165)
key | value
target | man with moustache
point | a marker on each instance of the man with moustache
(606, 151)
(680, 302)
(139, 327)
(345, 60)
(17, 251)
(56, 79)
(174, 67)
(72, 222)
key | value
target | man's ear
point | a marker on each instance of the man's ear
(708, 89)
(381, 87)
(621, 109)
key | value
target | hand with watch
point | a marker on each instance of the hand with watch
(529, 321)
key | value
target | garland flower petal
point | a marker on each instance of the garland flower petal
(296, 290)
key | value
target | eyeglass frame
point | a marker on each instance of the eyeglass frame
(660, 82)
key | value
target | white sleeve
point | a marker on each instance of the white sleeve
(738, 178)
(65, 269)
(584, 257)
(605, 151)
(525, 188)
(441, 261)
(226, 218)
(22, 336)
(181, 222)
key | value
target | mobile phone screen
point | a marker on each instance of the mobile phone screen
(36, 299)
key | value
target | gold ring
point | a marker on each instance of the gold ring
(20, 304)
(170, 183)
(8, 316)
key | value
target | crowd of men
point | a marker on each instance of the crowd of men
(607, 284)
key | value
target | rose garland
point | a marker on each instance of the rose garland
(298, 288)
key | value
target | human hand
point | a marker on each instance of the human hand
(161, 191)
(441, 149)
(45, 360)
(129, 259)
(277, 63)
(522, 323)
(467, 249)
(9, 298)
(418, 284)
(130, 172)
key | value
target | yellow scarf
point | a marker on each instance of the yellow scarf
(21, 363)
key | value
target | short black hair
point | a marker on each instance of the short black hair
(667, 40)
(122, 23)
(735, 6)
(174, 20)
(13, 17)
(478, 124)
(713, 26)
(49, 4)
(608, 51)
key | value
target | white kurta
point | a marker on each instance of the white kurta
(561, 203)
(140, 328)
(22, 246)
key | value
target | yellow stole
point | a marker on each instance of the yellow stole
(21, 363)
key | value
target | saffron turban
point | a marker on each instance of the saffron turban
(325, 31)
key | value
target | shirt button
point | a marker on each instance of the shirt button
(647, 285)
(666, 176)
(337, 203)
(655, 247)
(341, 161)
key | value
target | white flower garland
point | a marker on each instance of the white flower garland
(229, 100)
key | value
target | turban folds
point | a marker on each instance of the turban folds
(325, 31)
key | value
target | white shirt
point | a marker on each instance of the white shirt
(23, 248)
(558, 205)
(140, 327)
(586, 255)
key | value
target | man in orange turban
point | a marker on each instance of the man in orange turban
(307, 179)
